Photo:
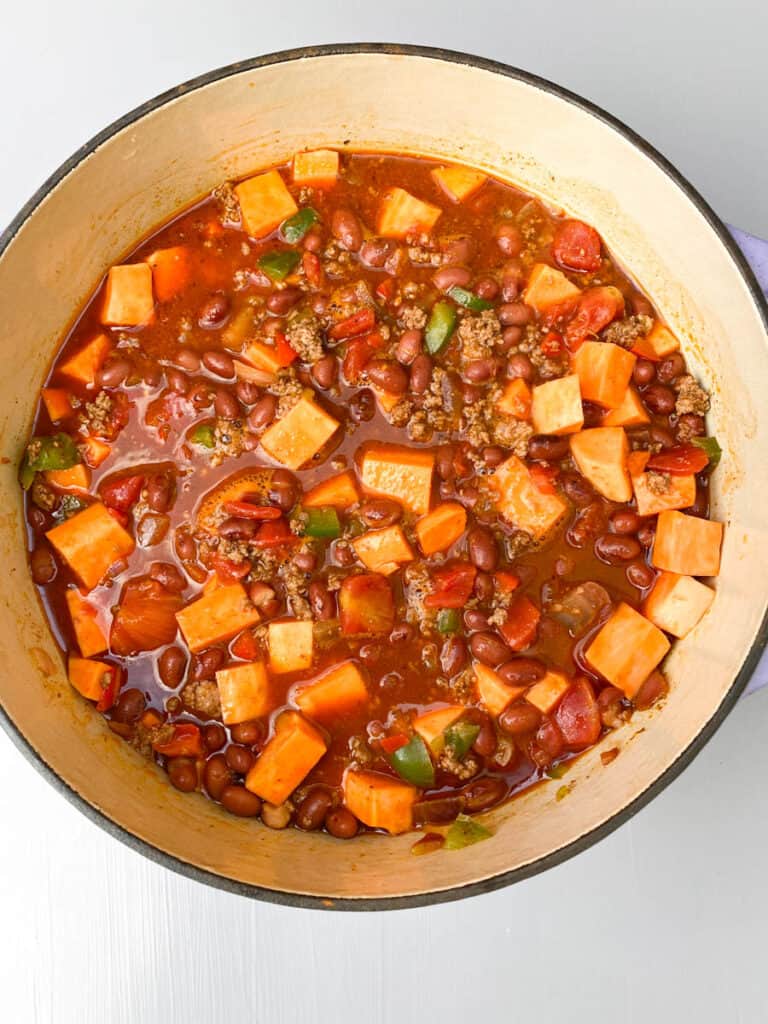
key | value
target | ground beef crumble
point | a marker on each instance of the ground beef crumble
(202, 698)
(658, 483)
(287, 389)
(296, 589)
(478, 334)
(229, 207)
(412, 318)
(228, 437)
(691, 397)
(513, 434)
(626, 332)
(145, 736)
(304, 336)
(463, 770)
(98, 414)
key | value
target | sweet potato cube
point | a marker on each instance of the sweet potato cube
(601, 455)
(458, 183)
(264, 357)
(516, 399)
(95, 451)
(627, 649)
(441, 528)
(402, 214)
(218, 615)
(76, 478)
(556, 406)
(631, 412)
(90, 542)
(334, 693)
(522, 503)
(265, 202)
(404, 474)
(676, 603)
(432, 724)
(57, 404)
(300, 434)
(318, 168)
(91, 638)
(339, 491)
(657, 344)
(687, 545)
(493, 691)
(287, 759)
(171, 271)
(366, 605)
(90, 678)
(546, 693)
(383, 551)
(290, 645)
(243, 692)
(128, 297)
(380, 801)
(604, 370)
(680, 491)
(85, 364)
(548, 287)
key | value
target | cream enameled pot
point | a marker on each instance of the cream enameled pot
(409, 100)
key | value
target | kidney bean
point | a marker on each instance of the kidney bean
(589, 523)
(216, 776)
(577, 488)
(213, 313)
(480, 370)
(457, 249)
(280, 303)
(219, 363)
(169, 576)
(206, 664)
(402, 633)
(305, 560)
(260, 594)
(645, 534)
(453, 655)
(444, 464)
(483, 550)
(38, 519)
(659, 399)
(610, 703)
(262, 414)
(661, 436)
(113, 373)
(237, 529)
(311, 812)
(247, 392)
(248, 733)
(201, 396)
(374, 252)
(226, 405)
(471, 393)
(593, 414)
(43, 565)
(152, 375)
(510, 287)
(475, 620)
(519, 365)
(493, 455)
(240, 801)
(522, 671)
(625, 521)
(389, 376)
(378, 512)
(214, 737)
(313, 240)
(509, 239)
(489, 648)
(158, 492)
(451, 277)
(643, 372)
(484, 793)
(186, 548)
(514, 314)
(171, 665)
(182, 773)
(128, 706)
(548, 448)
(486, 288)
(640, 575)
(345, 228)
(421, 374)
(690, 425)
(409, 346)
(325, 371)
(187, 360)
(177, 381)
(510, 336)
(276, 816)
(341, 823)
(344, 554)
(520, 718)
(485, 742)
(362, 406)
(671, 368)
(615, 549)
(321, 601)
(484, 587)
(284, 490)
(700, 506)
(239, 759)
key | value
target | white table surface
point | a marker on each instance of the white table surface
(666, 919)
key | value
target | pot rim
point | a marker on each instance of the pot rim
(759, 644)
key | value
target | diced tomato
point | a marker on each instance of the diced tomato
(596, 309)
(357, 356)
(559, 312)
(452, 586)
(550, 739)
(121, 493)
(313, 270)
(522, 623)
(576, 246)
(145, 618)
(552, 344)
(506, 581)
(359, 323)
(111, 690)
(543, 477)
(185, 742)
(121, 517)
(274, 534)
(366, 604)
(389, 744)
(247, 510)
(228, 571)
(245, 646)
(284, 354)
(681, 460)
(385, 289)
(578, 716)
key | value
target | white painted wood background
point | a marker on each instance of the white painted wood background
(664, 920)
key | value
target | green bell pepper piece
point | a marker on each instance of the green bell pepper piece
(277, 264)
(448, 620)
(464, 832)
(204, 435)
(469, 300)
(711, 447)
(413, 763)
(322, 522)
(460, 736)
(440, 325)
(57, 451)
(294, 228)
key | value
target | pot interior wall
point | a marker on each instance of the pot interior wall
(403, 103)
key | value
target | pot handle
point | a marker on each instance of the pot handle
(756, 253)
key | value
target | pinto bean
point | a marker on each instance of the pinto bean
(240, 801)
(659, 399)
(214, 736)
(216, 776)
(514, 314)
(451, 277)
(640, 575)
(277, 816)
(325, 371)
(510, 336)
(206, 664)
(113, 373)
(483, 550)
(671, 368)
(346, 229)
(645, 534)
(387, 375)
(409, 347)
(421, 373)
(219, 363)
(489, 648)
(689, 425)
(182, 773)
(509, 239)
(519, 365)
(522, 671)
(625, 521)
(548, 448)
(615, 549)
(378, 512)
(128, 706)
(662, 436)
(374, 252)
(453, 655)
(248, 733)
(213, 312)
(43, 565)
(321, 601)
(341, 823)
(519, 719)
(280, 303)
(484, 793)
(644, 372)
(170, 666)
(239, 759)
(262, 414)
(311, 812)
(480, 370)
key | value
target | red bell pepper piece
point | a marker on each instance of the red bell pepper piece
(506, 581)
(185, 742)
(245, 646)
(596, 309)
(452, 586)
(681, 460)
(552, 344)
(229, 572)
(389, 744)
(385, 289)
(110, 691)
(576, 246)
(313, 270)
(273, 534)
(578, 716)
(284, 353)
(358, 323)
(522, 623)
(247, 510)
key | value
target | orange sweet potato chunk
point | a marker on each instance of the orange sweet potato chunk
(680, 492)
(687, 545)
(57, 403)
(556, 406)
(217, 615)
(333, 694)
(383, 551)
(402, 214)
(516, 399)
(380, 801)
(290, 644)
(85, 364)
(264, 357)
(546, 693)
(95, 451)
(76, 478)
(458, 183)
(548, 287)
(339, 491)
(521, 502)
(493, 691)
(129, 300)
(90, 678)
(300, 434)
(441, 528)
(677, 603)
(265, 202)
(627, 649)
(604, 370)
(91, 638)
(631, 412)
(287, 759)
(171, 271)
(318, 168)
(432, 724)
(404, 474)
(601, 455)
(657, 344)
(243, 692)
(90, 542)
